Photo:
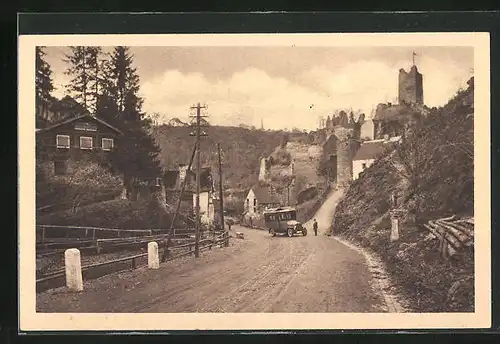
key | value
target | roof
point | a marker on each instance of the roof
(263, 196)
(373, 149)
(279, 209)
(170, 178)
(70, 120)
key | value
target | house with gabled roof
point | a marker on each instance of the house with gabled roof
(173, 180)
(259, 198)
(368, 152)
(74, 139)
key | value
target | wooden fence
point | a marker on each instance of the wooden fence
(56, 278)
(454, 234)
(45, 232)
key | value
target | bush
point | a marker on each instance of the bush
(121, 214)
(86, 181)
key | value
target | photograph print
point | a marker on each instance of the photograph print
(210, 179)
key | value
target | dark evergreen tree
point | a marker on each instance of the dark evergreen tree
(136, 157)
(84, 68)
(43, 85)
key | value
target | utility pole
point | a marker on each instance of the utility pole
(177, 208)
(221, 195)
(198, 168)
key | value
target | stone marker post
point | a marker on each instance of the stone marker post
(153, 257)
(394, 226)
(73, 265)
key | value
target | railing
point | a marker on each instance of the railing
(95, 232)
(51, 249)
(453, 235)
(57, 278)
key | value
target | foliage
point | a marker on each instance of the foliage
(234, 206)
(84, 70)
(87, 181)
(44, 85)
(240, 156)
(119, 104)
(123, 214)
(433, 170)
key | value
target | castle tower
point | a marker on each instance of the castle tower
(345, 149)
(411, 90)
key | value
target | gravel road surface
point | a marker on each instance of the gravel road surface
(259, 273)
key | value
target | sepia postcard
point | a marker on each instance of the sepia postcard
(254, 181)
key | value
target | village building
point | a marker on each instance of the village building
(258, 199)
(369, 152)
(74, 139)
(173, 180)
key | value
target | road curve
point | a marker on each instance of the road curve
(259, 273)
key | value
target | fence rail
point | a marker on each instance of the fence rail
(59, 232)
(98, 246)
(454, 234)
(57, 278)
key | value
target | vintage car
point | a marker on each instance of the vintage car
(283, 220)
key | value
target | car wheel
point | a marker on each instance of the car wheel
(289, 232)
(304, 232)
(273, 233)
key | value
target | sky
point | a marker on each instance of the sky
(285, 87)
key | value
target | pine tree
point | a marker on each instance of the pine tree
(84, 68)
(124, 76)
(137, 154)
(43, 85)
(96, 76)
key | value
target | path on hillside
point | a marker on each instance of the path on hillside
(258, 274)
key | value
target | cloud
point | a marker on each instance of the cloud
(252, 94)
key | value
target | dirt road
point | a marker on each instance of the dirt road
(257, 274)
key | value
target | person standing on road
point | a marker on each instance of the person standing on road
(315, 228)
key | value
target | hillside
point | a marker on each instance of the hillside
(441, 152)
(242, 149)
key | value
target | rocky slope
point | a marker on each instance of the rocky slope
(442, 155)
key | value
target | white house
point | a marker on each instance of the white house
(258, 199)
(207, 211)
(368, 153)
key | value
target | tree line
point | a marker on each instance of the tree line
(106, 85)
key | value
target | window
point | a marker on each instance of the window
(85, 142)
(62, 141)
(60, 167)
(255, 202)
(107, 144)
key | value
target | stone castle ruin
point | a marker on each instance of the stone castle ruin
(297, 169)
(327, 156)
(391, 119)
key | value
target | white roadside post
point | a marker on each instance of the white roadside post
(394, 226)
(72, 262)
(153, 257)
